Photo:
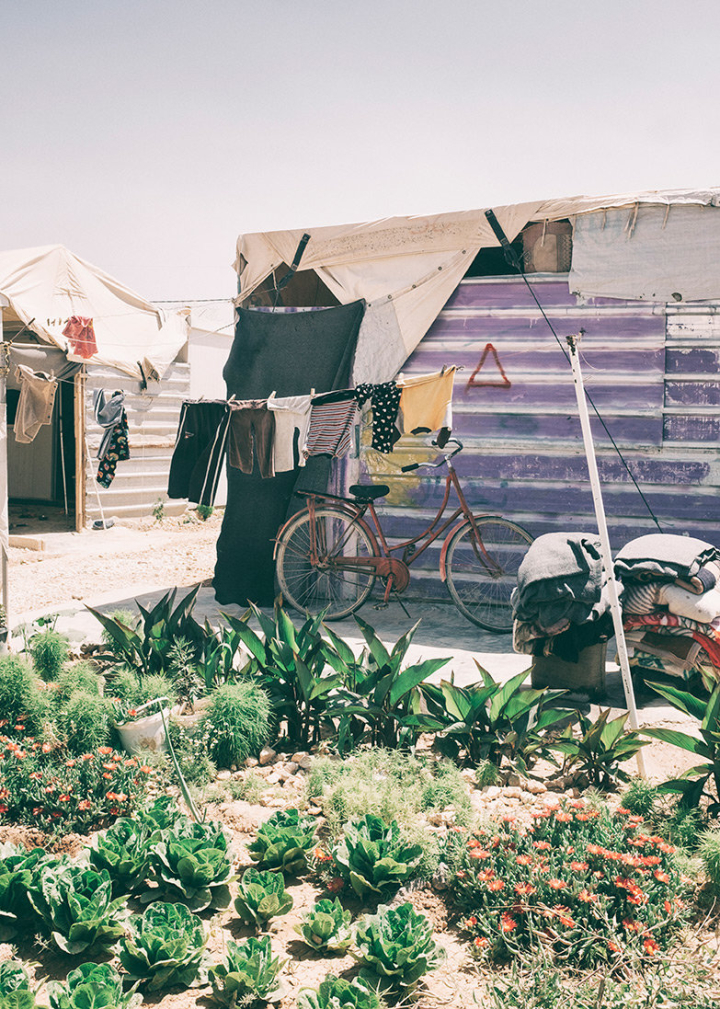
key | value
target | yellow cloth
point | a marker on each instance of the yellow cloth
(426, 401)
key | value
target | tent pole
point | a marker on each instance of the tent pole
(604, 541)
(4, 517)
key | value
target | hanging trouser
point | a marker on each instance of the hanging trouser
(200, 445)
(252, 428)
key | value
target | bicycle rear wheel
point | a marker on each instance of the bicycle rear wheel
(312, 588)
(480, 589)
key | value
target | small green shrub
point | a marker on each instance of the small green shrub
(248, 974)
(397, 945)
(337, 993)
(375, 857)
(136, 690)
(84, 722)
(191, 749)
(262, 896)
(123, 852)
(326, 926)
(640, 797)
(49, 650)
(183, 670)
(709, 852)
(80, 677)
(237, 723)
(22, 698)
(283, 841)
(448, 788)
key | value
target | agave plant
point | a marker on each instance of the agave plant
(165, 947)
(190, 862)
(326, 926)
(262, 896)
(15, 991)
(337, 993)
(75, 903)
(17, 868)
(375, 857)
(397, 944)
(248, 973)
(92, 986)
(282, 842)
(123, 852)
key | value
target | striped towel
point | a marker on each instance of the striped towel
(330, 430)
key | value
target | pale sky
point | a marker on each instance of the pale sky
(146, 135)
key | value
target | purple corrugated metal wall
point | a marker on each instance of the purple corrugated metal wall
(652, 371)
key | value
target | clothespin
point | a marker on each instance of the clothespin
(312, 391)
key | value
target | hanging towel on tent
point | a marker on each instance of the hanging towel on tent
(36, 402)
(80, 334)
(331, 424)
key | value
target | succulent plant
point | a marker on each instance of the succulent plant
(326, 926)
(190, 863)
(262, 896)
(165, 947)
(282, 842)
(75, 903)
(92, 986)
(375, 857)
(397, 944)
(249, 972)
(337, 993)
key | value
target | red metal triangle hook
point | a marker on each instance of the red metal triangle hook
(505, 384)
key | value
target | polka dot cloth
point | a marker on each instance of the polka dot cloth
(385, 400)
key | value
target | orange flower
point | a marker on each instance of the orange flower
(631, 926)
(145, 769)
(63, 798)
(84, 804)
(579, 866)
(110, 767)
(106, 775)
(105, 750)
(46, 747)
(564, 817)
(661, 877)
(507, 922)
(613, 947)
(88, 756)
(587, 897)
(495, 885)
(472, 920)
(650, 946)
(480, 942)
(479, 853)
(523, 860)
(70, 763)
(563, 916)
(557, 884)
(485, 875)
(542, 845)
(524, 889)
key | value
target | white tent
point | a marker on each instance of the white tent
(47, 285)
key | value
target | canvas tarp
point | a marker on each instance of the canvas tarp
(48, 284)
(407, 267)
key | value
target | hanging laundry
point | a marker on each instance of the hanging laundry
(80, 334)
(292, 413)
(200, 445)
(331, 422)
(426, 402)
(385, 402)
(252, 432)
(114, 445)
(36, 402)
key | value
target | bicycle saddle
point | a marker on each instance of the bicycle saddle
(368, 492)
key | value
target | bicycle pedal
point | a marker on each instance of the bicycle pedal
(380, 606)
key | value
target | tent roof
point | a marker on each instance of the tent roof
(46, 285)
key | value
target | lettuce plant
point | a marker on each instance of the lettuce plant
(165, 947)
(162, 814)
(123, 852)
(190, 862)
(75, 903)
(15, 991)
(262, 896)
(337, 993)
(397, 944)
(248, 973)
(282, 842)
(375, 857)
(92, 986)
(326, 926)
(17, 867)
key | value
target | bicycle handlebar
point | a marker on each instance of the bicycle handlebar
(436, 465)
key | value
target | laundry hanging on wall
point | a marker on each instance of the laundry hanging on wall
(199, 452)
(114, 446)
(36, 403)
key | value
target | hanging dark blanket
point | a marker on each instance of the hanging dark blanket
(290, 354)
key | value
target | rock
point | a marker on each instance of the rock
(555, 785)
(469, 774)
(536, 787)
(514, 780)
(512, 792)
(233, 767)
(275, 778)
(223, 775)
(267, 756)
(291, 767)
(314, 811)
(492, 791)
(251, 762)
(303, 760)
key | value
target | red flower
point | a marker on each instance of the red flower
(524, 889)
(496, 885)
(563, 916)
(557, 884)
(480, 942)
(507, 922)
(37, 810)
(523, 860)
(587, 897)
(105, 750)
(479, 853)
(631, 926)
(650, 946)
(63, 798)
(46, 747)
(579, 866)
(661, 877)
(485, 875)
(542, 845)
(84, 804)
(4, 809)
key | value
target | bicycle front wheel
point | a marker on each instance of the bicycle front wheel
(481, 585)
(334, 583)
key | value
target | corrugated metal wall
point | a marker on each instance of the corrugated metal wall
(652, 372)
(152, 425)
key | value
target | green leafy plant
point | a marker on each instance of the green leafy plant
(204, 511)
(397, 944)
(190, 863)
(146, 648)
(79, 678)
(15, 991)
(75, 903)
(223, 656)
(17, 868)
(640, 797)
(23, 701)
(262, 896)
(709, 852)
(600, 749)
(164, 947)
(237, 723)
(248, 974)
(380, 698)
(326, 926)
(375, 857)
(492, 720)
(693, 784)
(161, 814)
(283, 841)
(49, 650)
(337, 993)
(92, 986)
(183, 670)
(123, 852)
(83, 721)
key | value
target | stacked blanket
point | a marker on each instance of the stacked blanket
(671, 603)
(561, 604)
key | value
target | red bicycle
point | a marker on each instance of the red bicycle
(328, 556)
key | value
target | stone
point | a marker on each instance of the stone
(224, 775)
(274, 779)
(303, 760)
(291, 767)
(251, 762)
(492, 791)
(267, 756)
(514, 780)
(512, 792)
(536, 787)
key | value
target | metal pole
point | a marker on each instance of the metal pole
(4, 516)
(604, 542)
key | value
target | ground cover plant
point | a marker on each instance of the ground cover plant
(92, 985)
(581, 881)
(262, 896)
(74, 902)
(123, 851)
(17, 869)
(326, 926)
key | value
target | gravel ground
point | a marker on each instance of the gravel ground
(177, 551)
